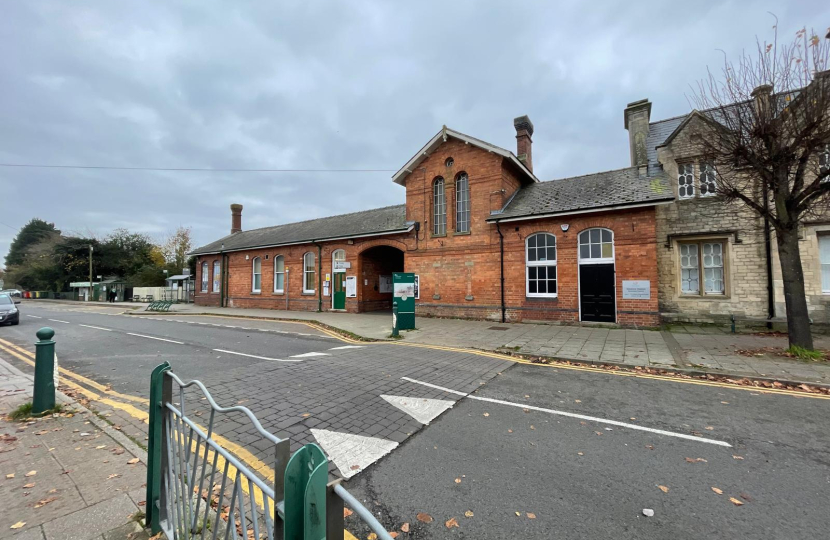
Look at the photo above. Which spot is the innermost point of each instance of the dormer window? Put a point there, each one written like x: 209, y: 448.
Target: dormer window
x: 708, y: 179
x: 685, y: 180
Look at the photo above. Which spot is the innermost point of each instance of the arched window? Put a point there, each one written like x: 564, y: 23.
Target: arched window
x: 439, y: 207
x: 256, y: 282
x: 462, y: 203
x: 205, y: 277
x: 308, y: 273
x: 279, y: 274
x: 596, y: 246
x: 217, y: 275
x: 338, y: 256
x: 540, y: 265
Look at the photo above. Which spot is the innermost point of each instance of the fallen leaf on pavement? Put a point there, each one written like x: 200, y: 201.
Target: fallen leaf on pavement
x: 30, y: 473
x: 486, y: 414
x: 347, y: 512
x: 737, y: 457
x: 42, y: 432
x: 405, y: 527
x: 354, y: 467
x: 664, y: 489
x: 531, y: 427
x: 44, y: 502
x: 110, y: 477
x: 29, y: 485
x: 393, y: 534
x: 650, y: 446
x: 526, y: 396
x: 11, y: 475
x: 708, y: 428
x: 18, y: 525
x: 133, y: 461
x: 577, y: 401
x: 518, y: 513
x: 468, y: 513
x: 725, y: 402
x: 457, y: 480
x: 735, y: 501
x: 696, y: 460
x: 118, y: 451
x: 632, y: 418
x: 531, y: 515
x: 372, y: 536
x: 423, y: 517
x: 306, y: 415
x: 100, y: 446
x: 580, y: 454
x: 450, y: 523
x: 598, y: 432
x: 718, y: 491
x: 525, y: 410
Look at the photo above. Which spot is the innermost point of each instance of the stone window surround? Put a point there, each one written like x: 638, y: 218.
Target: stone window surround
x: 696, y: 164
x: 820, y: 231
x: 701, y: 239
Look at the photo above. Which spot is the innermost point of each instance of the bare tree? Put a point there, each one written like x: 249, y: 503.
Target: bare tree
x: 765, y: 130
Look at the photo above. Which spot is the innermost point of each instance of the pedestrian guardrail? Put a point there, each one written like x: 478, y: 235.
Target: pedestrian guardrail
x: 196, y: 488
x: 159, y: 305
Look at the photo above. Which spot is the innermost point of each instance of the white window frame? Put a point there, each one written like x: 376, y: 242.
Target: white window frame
x: 824, y: 156
x: 707, y: 167
x: 278, y: 273
x: 306, y: 271
x: 462, y: 203
x: 205, y: 276
x: 600, y: 259
x: 701, y: 268
x: 684, y: 170
x: 439, y: 211
x: 537, y: 263
x: 825, y: 287
x: 217, y: 276
x: 254, y: 274
x: 680, y: 246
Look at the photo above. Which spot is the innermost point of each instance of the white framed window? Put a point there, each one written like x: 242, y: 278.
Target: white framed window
x: 339, y: 256
x: 439, y: 207
x: 540, y: 265
x: 703, y: 262
x: 205, y: 277
x: 309, y: 272
x: 217, y: 275
x: 256, y: 280
x: 279, y: 274
x: 596, y: 246
x: 824, y: 161
x: 685, y: 180
x: 462, y: 203
x: 708, y: 179
x: 824, y: 259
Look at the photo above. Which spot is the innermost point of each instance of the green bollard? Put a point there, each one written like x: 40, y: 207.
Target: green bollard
x: 395, y: 319
x: 44, y: 392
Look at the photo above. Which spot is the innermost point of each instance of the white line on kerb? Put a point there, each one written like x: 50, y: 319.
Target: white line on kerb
x: 34, y: 316
x: 95, y: 327
x: 158, y: 338
x: 575, y: 415
x: 58, y: 320
x: 255, y: 356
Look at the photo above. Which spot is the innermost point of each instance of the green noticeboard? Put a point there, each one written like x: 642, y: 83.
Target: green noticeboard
x: 403, y: 292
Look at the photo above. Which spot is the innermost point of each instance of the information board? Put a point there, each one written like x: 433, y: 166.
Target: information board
x: 636, y: 290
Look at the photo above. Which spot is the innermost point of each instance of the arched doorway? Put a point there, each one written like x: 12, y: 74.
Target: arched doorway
x: 597, y: 281
x: 375, y: 281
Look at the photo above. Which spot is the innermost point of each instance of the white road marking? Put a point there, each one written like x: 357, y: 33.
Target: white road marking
x: 95, y: 327
x: 309, y: 354
x: 421, y: 409
x: 157, y: 338
x: 352, y: 453
x: 34, y: 316
x: 578, y: 416
x: 58, y: 320
x: 255, y: 356
x: 347, y: 347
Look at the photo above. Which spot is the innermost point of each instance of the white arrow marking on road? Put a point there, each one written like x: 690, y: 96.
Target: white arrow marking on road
x: 575, y: 415
x: 421, y: 409
x: 95, y: 327
x: 255, y: 356
x: 158, y: 338
x: 352, y: 453
x: 346, y: 347
x: 58, y: 320
x: 309, y: 354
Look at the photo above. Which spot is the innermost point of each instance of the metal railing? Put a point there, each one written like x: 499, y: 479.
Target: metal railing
x: 196, y: 488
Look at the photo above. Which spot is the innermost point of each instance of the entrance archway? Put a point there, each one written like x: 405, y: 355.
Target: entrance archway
x: 376, y: 267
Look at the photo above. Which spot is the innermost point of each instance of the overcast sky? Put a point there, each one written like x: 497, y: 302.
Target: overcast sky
x: 352, y: 84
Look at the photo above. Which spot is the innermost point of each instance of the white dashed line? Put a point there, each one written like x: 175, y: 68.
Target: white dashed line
x: 157, y: 338
x: 95, y: 327
x: 58, y: 320
x: 255, y: 356
x: 575, y: 415
x: 34, y: 316
x: 310, y: 354
x: 347, y: 347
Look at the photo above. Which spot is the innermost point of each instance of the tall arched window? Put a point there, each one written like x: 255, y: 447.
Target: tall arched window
x: 540, y: 265
x: 439, y: 207
x: 217, y: 275
x: 462, y: 203
x: 279, y: 274
x: 256, y: 281
x: 596, y: 246
x: 205, y: 277
x: 308, y: 273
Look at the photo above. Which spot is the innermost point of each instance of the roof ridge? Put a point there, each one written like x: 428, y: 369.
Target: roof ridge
x: 776, y: 94
x: 323, y: 217
x: 588, y: 174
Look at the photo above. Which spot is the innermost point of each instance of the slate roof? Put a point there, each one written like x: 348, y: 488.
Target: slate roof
x: 609, y: 189
x: 389, y: 219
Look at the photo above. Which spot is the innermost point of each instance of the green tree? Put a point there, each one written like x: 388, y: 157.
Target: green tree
x: 31, y: 233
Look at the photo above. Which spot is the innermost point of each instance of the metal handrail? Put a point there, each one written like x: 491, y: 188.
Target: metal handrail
x: 362, y: 512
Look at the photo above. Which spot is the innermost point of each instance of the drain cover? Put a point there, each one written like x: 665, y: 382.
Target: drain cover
x: 498, y: 328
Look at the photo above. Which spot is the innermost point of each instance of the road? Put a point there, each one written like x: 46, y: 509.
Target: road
x: 577, y: 453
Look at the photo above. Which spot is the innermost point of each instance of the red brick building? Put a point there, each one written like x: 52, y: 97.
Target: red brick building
x: 485, y: 237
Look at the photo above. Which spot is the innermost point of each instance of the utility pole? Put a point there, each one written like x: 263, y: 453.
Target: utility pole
x: 89, y: 294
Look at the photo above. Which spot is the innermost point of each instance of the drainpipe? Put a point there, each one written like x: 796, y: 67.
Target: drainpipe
x: 221, y: 276
x: 319, y: 276
x: 768, y: 250
x: 501, y: 269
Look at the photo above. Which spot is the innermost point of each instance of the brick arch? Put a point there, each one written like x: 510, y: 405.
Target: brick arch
x: 397, y: 244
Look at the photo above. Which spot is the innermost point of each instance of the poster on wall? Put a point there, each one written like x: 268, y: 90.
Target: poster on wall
x: 385, y: 284
x: 351, y: 286
x: 636, y: 289
x: 325, y: 288
x: 417, y: 287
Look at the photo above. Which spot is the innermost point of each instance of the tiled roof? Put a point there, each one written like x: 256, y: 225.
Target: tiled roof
x: 609, y: 189
x: 389, y: 219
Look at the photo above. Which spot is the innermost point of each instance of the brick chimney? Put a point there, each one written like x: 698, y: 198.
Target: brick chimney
x: 524, y: 130
x: 236, y: 218
x: 637, y: 116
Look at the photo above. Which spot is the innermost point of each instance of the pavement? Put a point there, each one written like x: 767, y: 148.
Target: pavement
x: 68, y: 475
x: 500, y: 448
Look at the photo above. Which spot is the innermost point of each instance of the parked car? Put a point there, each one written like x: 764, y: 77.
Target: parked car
x: 12, y: 292
x: 9, y: 314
